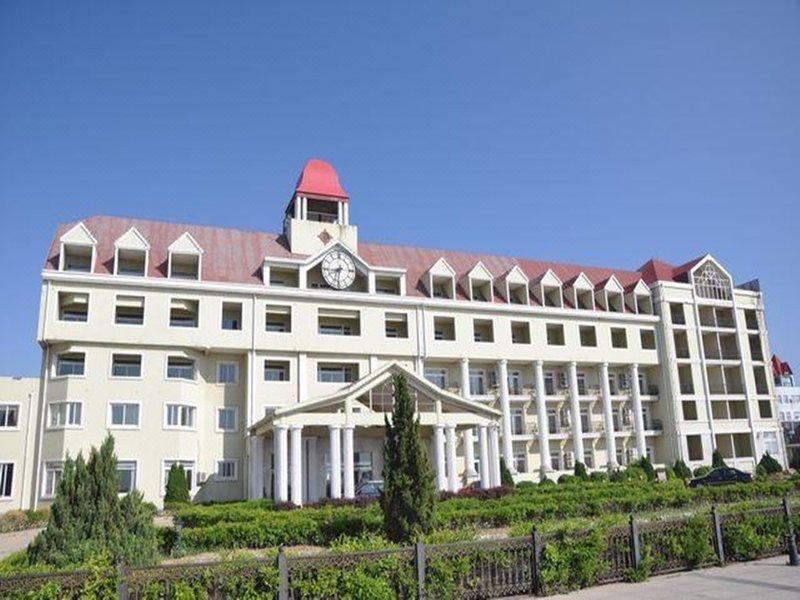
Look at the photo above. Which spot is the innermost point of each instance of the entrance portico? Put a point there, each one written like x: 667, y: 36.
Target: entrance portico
x: 327, y: 446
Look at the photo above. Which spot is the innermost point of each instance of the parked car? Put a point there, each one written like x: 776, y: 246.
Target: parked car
x: 372, y: 488
x: 721, y: 476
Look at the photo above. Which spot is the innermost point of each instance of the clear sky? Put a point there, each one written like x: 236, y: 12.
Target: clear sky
x: 597, y: 133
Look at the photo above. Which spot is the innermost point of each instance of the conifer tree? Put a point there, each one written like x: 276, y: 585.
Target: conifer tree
x: 717, y: 461
x: 506, y: 478
x: 177, y: 486
x: 682, y: 470
x: 409, y: 495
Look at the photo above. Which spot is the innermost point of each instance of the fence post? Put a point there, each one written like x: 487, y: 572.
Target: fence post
x: 536, y: 559
x: 122, y: 584
x: 283, y: 575
x: 636, y: 555
x: 717, y: 524
x: 419, y: 562
x: 794, y: 560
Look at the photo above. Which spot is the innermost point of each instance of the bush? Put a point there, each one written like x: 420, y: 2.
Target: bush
x: 598, y: 476
x: 682, y: 470
x: 702, y: 471
x: 506, y: 479
x: 771, y: 466
x: 545, y: 481
x: 571, y: 562
x: 617, y: 476
x: 633, y: 472
x: 580, y: 471
x: 177, y: 486
x: 717, y: 461
x: 645, y: 465
x: 566, y: 478
x: 526, y: 485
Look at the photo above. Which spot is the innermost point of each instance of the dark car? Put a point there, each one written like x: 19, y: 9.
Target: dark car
x: 721, y: 476
x: 370, y: 489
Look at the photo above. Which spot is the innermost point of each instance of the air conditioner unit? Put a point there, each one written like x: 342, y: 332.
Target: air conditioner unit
x: 202, y: 477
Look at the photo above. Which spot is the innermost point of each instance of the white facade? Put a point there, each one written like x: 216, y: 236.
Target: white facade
x: 19, y: 399
x: 235, y: 354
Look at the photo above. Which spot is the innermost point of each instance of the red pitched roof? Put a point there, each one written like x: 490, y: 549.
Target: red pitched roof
x: 779, y: 367
x: 320, y: 180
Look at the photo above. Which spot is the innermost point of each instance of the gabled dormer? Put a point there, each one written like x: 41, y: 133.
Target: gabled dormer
x: 440, y: 280
x: 479, y: 283
x: 185, y: 258
x: 547, y: 289
x: 78, y: 250
x: 580, y: 292
x: 610, y: 295
x: 639, y: 299
x: 515, y: 286
x: 710, y: 279
x: 131, y: 253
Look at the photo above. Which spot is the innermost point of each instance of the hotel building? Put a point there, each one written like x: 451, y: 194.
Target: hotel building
x: 262, y: 362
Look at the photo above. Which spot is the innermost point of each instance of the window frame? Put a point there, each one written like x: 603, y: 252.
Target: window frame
x: 111, y: 373
x: 54, y: 467
x: 221, y: 478
x: 57, y: 364
x: 440, y: 371
x: 220, y: 409
x: 18, y: 411
x: 183, y: 379
x: 166, y: 465
x: 124, y: 403
x: 116, y: 307
x: 68, y: 404
x: 4, y: 482
x: 135, y: 464
x: 226, y: 363
x: 353, y: 369
x: 286, y: 365
x: 181, y: 407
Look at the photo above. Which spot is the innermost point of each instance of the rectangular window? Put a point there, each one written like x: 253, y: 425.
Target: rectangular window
x: 437, y: 377
x: 339, y: 322
x: 588, y: 336
x: 555, y: 460
x: 232, y: 316
x: 648, y: 338
x: 520, y: 332
x: 228, y: 373
x: 179, y: 367
x: 126, y: 476
x: 278, y: 319
x: 126, y: 365
x: 129, y: 310
x: 619, y: 338
x: 183, y: 312
x: 555, y: 334
x: 581, y: 377
x: 586, y: 421
x: 184, y: 266
x: 66, y: 414
x: 73, y: 307
x: 520, y: 458
x: 181, y: 416
x: 226, y: 470
x: 387, y: 285
x: 477, y: 382
x: 517, y: 421
x: 549, y: 384
x: 514, y: 383
x: 9, y: 416
x: 332, y: 373
x: 771, y: 443
x: 444, y: 328
x: 131, y: 262
x: 396, y: 325
x: 70, y: 364
x: 188, y: 467
x: 124, y: 414
x: 483, y: 330
x: 77, y: 257
x: 226, y: 419
x: 52, y: 477
x: 6, y: 479
x: 276, y: 370
x: 588, y: 458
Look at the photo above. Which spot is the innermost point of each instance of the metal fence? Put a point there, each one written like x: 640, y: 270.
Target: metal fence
x: 468, y: 570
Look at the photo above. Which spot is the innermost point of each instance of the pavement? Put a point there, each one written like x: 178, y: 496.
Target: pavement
x: 16, y: 540
x: 768, y: 579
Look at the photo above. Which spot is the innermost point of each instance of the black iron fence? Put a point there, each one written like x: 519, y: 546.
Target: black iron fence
x: 540, y: 564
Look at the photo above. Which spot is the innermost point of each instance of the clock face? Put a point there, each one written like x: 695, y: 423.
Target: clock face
x: 338, y: 270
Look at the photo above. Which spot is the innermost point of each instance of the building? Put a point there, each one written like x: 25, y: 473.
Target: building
x: 788, y: 394
x: 19, y: 400
x: 262, y: 362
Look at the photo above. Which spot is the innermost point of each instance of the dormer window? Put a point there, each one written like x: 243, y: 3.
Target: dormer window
x: 389, y: 284
x: 581, y: 292
x: 552, y: 297
x: 77, y: 250
x: 639, y: 299
x: 130, y: 254
x: 516, y: 286
x: 609, y: 293
x: 712, y: 283
x: 479, y: 284
x: 547, y: 290
x: 441, y: 281
x: 185, y: 258
x: 281, y: 276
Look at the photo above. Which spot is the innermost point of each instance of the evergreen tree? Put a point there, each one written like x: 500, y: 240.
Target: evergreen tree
x: 717, y: 461
x: 770, y: 464
x: 682, y: 470
x: 409, y: 495
x: 177, y: 486
x: 506, y: 478
x: 580, y: 471
x: 645, y: 465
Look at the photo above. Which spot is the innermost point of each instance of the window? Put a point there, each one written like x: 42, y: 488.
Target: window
x: 586, y: 421
x: 183, y: 313
x: 332, y: 373
x: 179, y: 367
x: 126, y: 365
x: 444, y: 328
x: 396, y: 325
x: 520, y: 458
x: 71, y: 364
x: 581, y: 377
x: 751, y: 319
x: 339, y: 322
x: 278, y: 319
x: 549, y: 384
x: 184, y: 266
x: 588, y: 458
x: 232, y: 316
x: 282, y: 277
x: 126, y: 476
x: 677, y: 314
x: 6, y: 479
x: 553, y: 424
x: 228, y: 373
x: 648, y: 338
x: 65, y: 414
x: 73, y: 307
x: 9, y: 416
x: 588, y: 336
x: 483, y: 330
x: 555, y: 334
x: 129, y: 310
x: 619, y: 338
x: 437, y: 377
x: 387, y: 285
x: 188, y: 467
x: 181, y: 416
x: 77, y: 257
x: 710, y: 283
x: 477, y: 382
x: 555, y: 460
x: 131, y: 262
x: 226, y: 470
x: 52, y: 477
x: 771, y: 443
x: 622, y: 382
x: 226, y: 419
x: 517, y: 421
x: 514, y: 383
x: 124, y: 414
x: 276, y: 370
x: 694, y: 445
x: 765, y: 409
x: 520, y: 332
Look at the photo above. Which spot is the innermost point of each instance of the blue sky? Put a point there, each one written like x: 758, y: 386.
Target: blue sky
x: 602, y: 134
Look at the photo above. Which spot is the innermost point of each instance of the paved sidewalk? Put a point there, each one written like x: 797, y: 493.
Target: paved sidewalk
x: 16, y: 540
x: 768, y: 579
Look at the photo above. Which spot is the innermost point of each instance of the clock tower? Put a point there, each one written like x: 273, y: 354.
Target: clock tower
x: 319, y: 211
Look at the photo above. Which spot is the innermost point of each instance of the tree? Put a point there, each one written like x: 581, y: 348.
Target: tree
x: 682, y: 470
x: 177, y: 486
x: 770, y: 464
x: 645, y: 465
x: 717, y: 461
x: 580, y: 471
x: 506, y: 478
x: 408, y: 500
x: 88, y: 520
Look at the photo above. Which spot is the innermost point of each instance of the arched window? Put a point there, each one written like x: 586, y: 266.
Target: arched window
x: 710, y: 283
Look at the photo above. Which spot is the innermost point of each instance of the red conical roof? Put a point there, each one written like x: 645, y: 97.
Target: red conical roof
x: 319, y: 179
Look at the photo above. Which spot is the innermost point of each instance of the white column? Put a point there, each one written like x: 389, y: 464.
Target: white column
x: 636, y: 397
x: 494, y: 454
x: 335, y: 433
x: 483, y: 448
x: 297, y: 464
x: 505, y: 407
x: 438, y: 453
x: 298, y: 207
x: 608, y: 418
x: 349, y: 484
x: 256, y: 467
x: 450, y: 441
x: 312, y: 472
x: 339, y: 213
x: 281, y: 463
x: 465, y: 378
x: 577, y: 430
x: 469, y: 454
x: 304, y: 208
x: 346, y: 209
x: 541, y: 413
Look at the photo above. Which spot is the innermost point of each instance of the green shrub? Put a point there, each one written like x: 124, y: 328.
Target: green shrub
x: 526, y: 485
x: 702, y: 471
x: 633, y: 472
x: 566, y: 478
x: 580, y: 471
x: 717, y: 461
x: 506, y: 479
x: 598, y: 476
x: 752, y: 536
x: 682, y: 470
x: 771, y: 466
x: 177, y: 486
x: 571, y: 562
x: 545, y: 481
x: 617, y: 476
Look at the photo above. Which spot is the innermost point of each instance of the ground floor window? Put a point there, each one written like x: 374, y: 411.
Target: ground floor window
x: 226, y: 470
x: 52, y: 476
x: 620, y: 456
x: 520, y: 458
x: 188, y: 466
x: 6, y: 479
x: 126, y: 475
x: 555, y: 460
x: 362, y: 466
x: 588, y: 458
